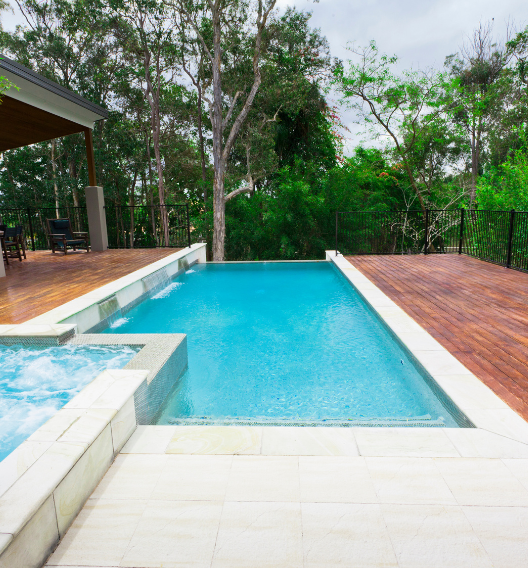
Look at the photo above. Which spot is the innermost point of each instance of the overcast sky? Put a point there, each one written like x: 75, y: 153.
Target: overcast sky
x: 421, y: 32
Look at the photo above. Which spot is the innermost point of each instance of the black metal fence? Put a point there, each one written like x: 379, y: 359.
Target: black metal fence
x: 34, y: 222
x: 145, y: 226
x: 500, y: 237
x: 128, y: 227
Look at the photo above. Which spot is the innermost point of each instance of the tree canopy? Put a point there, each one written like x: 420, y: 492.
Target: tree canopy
x: 225, y: 106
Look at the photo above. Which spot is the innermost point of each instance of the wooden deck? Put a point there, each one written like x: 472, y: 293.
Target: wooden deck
x: 45, y: 281
x: 476, y: 310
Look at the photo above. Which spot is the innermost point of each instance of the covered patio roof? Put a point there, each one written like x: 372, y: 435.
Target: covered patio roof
x: 41, y: 110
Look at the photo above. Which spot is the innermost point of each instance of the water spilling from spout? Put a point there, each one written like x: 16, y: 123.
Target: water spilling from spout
x: 110, y: 311
x: 156, y: 281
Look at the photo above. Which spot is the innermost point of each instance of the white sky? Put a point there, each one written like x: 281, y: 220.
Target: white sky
x: 421, y: 32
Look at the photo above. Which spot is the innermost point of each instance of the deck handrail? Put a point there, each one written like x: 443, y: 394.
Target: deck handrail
x: 495, y: 236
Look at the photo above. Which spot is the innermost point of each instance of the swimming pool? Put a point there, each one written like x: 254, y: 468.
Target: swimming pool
x: 36, y: 382
x: 284, y: 343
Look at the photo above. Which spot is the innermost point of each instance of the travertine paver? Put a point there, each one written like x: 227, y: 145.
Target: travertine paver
x: 156, y: 508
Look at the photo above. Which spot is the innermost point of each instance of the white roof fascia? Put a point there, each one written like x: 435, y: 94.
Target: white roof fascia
x: 44, y: 99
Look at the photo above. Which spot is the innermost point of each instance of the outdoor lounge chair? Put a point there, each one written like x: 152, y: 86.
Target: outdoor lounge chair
x: 11, y: 245
x: 61, y: 236
x: 21, y: 240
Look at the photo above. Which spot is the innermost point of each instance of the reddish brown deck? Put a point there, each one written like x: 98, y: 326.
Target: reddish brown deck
x: 476, y: 310
x: 45, y: 281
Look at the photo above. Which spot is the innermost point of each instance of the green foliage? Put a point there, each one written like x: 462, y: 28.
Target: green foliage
x: 430, y: 128
x: 407, y: 108
x: 293, y: 217
x: 5, y: 85
x: 506, y: 186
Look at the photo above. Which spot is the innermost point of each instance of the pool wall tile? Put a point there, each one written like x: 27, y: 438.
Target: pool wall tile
x: 308, y: 441
x: 216, y: 440
x: 149, y: 440
x: 19, y: 461
x: 89, y: 426
x: 39, y: 335
x: 404, y: 442
x: 24, y: 498
x: 5, y: 539
x: 53, y: 429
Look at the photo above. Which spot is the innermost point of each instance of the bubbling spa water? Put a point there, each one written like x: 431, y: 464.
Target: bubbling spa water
x: 36, y: 382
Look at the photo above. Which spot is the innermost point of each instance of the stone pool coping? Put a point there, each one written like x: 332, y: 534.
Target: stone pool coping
x: 59, y: 471
x: 477, y: 401
x: 45, y: 482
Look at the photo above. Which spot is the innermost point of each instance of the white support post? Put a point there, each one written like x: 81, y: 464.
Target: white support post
x: 96, y: 218
x: 2, y: 268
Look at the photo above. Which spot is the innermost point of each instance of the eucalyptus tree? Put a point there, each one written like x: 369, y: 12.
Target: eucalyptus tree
x: 400, y: 107
x: 148, y: 44
x: 227, y: 19
x: 480, y: 93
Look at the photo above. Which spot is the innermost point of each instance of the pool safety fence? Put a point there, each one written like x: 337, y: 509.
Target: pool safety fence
x: 500, y: 237
x: 138, y: 226
x: 148, y: 226
x: 34, y: 222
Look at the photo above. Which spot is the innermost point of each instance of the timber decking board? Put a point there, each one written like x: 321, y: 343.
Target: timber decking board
x: 477, y: 310
x: 45, y: 281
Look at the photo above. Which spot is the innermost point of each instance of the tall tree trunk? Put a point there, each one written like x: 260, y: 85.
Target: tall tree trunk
x: 153, y: 97
x: 218, y: 158
x: 131, y: 205
x: 474, y: 167
x: 54, y: 168
x: 151, y: 194
x: 201, y: 139
x: 219, y: 217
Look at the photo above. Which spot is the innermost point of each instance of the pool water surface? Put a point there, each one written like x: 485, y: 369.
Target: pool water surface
x: 285, y: 343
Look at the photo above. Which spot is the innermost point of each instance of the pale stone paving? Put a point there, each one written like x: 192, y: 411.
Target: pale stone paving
x: 307, y: 497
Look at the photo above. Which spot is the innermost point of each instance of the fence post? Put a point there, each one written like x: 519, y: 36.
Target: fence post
x: 336, y: 234
x: 188, y: 225
x: 31, y: 230
x: 510, y: 239
x: 426, y: 246
x: 462, y: 210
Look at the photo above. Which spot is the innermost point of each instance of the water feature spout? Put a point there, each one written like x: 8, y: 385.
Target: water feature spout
x: 156, y: 281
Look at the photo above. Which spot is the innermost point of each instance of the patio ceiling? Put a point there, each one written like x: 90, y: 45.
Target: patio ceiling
x: 41, y: 110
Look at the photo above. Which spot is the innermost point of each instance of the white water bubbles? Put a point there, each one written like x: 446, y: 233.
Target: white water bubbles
x: 167, y: 291
x: 35, y: 383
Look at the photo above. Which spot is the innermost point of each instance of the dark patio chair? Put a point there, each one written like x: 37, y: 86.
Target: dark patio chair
x: 62, y: 237
x: 11, y: 246
x: 21, y: 239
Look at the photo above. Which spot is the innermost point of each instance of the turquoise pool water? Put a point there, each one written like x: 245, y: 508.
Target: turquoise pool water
x: 283, y: 343
x: 36, y: 382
